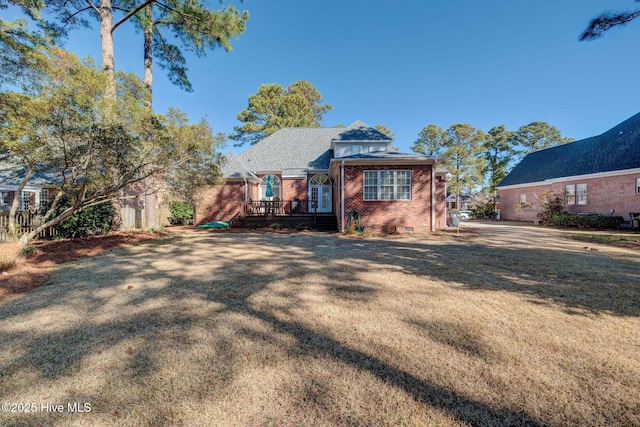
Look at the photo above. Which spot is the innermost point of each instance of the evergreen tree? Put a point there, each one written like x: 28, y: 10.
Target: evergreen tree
x: 538, y: 136
x: 499, y: 151
x: 275, y: 107
x: 462, y: 150
x: 430, y: 141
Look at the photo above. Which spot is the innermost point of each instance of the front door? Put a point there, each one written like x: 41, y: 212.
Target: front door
x: 321, y: 195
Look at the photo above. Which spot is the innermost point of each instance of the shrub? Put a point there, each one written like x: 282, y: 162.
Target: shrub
x: 90, y: 220
x: 588, y: 221
x: 181, y: 210
x: 551, y: 204
x: 484, y: 208
x: 275, y: 226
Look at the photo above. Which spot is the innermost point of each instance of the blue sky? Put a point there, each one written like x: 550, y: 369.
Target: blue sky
x: 412, y: 63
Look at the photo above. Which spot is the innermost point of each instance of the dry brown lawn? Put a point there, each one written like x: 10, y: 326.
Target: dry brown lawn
x: 497, y: 326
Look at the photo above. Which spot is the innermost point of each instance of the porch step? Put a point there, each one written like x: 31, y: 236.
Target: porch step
x: 326, y: 223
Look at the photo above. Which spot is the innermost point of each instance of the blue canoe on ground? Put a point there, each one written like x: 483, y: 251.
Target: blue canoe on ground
x: 215, y: 224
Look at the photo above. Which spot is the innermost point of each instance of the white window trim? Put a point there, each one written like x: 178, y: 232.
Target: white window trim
x: 637, y: 185
x: 523, y: 200
x: 379, y: 185
x: 567, y: 194
x: 578, y: 199
x: 4, y: 194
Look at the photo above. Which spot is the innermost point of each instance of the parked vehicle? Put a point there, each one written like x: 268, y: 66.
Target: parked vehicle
x: 465, y: 215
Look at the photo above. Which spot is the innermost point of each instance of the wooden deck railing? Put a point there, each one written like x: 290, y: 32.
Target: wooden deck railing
x: 267, y: 207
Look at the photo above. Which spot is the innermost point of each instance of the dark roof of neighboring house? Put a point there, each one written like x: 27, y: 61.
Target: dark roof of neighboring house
x: 295, y: 150
x: 11, y: 174
x: 615, y: 150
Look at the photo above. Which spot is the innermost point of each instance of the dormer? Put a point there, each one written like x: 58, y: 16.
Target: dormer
x: 359, y: 138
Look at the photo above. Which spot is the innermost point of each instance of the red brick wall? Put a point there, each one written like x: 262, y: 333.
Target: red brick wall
x: 294, y: 189
x: 220, y: 202
x: 395, y: 215
x: 603, y: 194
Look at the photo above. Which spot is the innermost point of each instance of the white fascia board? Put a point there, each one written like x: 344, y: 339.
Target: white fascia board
x: 304, y: 174
x: 294, y: 175
x: 391, y: 162
x: 384, y: 142
x: 266, y: 172
x: 14, y: 188
x: 574, y: 178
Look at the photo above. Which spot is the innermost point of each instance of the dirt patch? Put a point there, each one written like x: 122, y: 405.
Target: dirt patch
x: 32, y: 272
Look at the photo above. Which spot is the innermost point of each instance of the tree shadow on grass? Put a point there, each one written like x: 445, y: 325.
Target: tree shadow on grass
x: 167, y: 303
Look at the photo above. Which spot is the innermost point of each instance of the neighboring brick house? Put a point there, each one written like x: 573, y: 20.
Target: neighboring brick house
x: 34, y: 194
x: 599, y: 175
x: 339, y: 174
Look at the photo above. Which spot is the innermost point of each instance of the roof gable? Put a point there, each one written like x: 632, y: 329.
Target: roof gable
x: 615, y: 150
x: 296, y: 149
x: 360, y: 131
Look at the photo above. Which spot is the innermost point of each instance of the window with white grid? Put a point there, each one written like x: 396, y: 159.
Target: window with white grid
x: 387, y: 185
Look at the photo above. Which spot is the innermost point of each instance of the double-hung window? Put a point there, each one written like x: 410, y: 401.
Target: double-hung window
x: 44, y: 198
x: 570, y: 194
x: 637, y: 185
x: 581, y: 194
x: 25, y: 200
x: 387, y: 185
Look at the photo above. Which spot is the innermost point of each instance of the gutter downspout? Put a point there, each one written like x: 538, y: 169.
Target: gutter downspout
x: 433, y: 198
x: 342, y: 197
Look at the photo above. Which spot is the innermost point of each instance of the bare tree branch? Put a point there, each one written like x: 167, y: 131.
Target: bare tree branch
x: 130, y: 14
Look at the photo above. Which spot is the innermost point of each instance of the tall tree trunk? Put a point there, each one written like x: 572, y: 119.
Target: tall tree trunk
x: 109, y: 68
x: 150, y: 202
x: 106, y: 39
x: 13, y: 211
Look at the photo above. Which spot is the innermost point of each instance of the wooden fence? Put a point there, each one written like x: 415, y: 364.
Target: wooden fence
x: 25, y: 222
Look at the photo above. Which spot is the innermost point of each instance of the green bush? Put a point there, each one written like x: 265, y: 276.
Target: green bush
x: 275, y: 226
x: 91, y: 220
x: 588, y: 221
x: 484, y: 209
x: 181, y: 210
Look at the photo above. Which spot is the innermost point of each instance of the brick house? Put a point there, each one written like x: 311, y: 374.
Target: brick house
x: 35, y: 193
x: 598, y: 175
x: 337, y: 176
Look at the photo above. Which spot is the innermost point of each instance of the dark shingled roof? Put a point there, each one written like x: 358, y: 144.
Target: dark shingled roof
x: 359, y: 131
x: 615, y: 150
x: 12, y: 173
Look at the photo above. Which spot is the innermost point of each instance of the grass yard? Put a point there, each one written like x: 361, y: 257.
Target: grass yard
x: 500, y: 326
